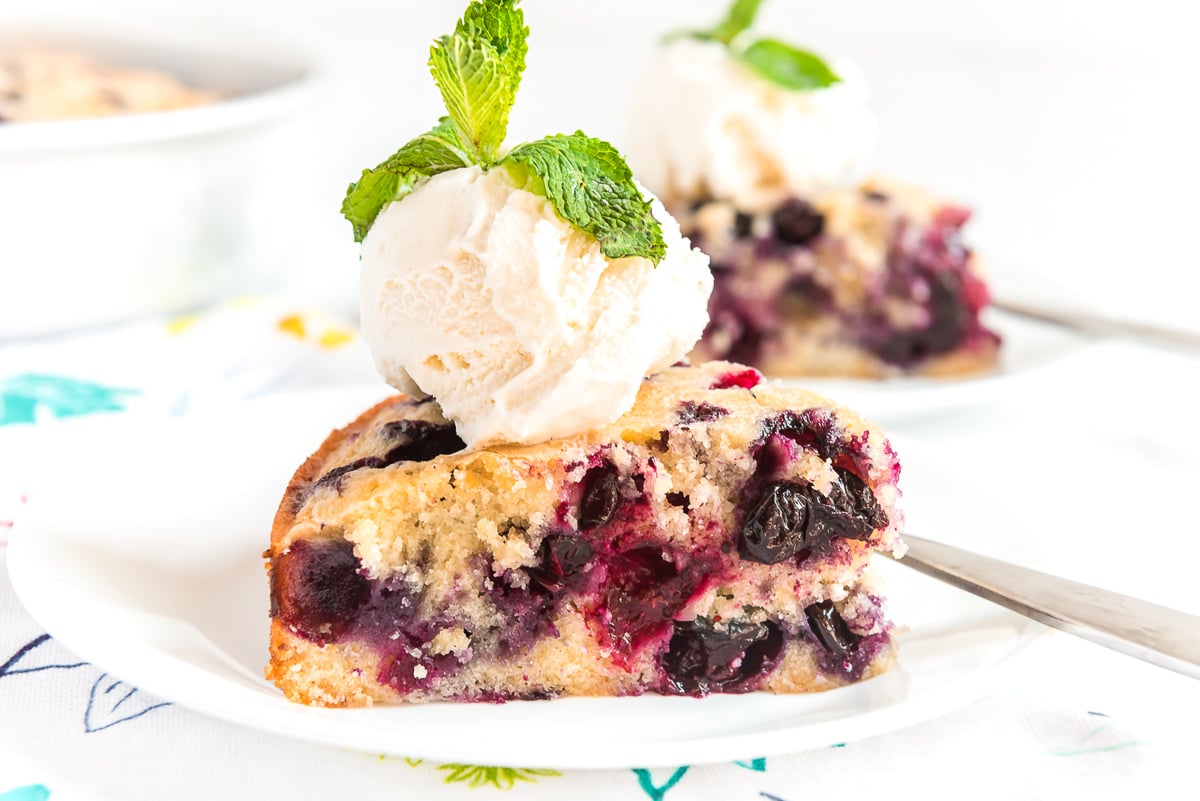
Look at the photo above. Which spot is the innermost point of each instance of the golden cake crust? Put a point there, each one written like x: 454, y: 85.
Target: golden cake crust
x: 450, y: 551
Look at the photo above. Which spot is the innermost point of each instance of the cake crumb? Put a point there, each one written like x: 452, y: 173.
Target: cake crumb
x: 449, y: 641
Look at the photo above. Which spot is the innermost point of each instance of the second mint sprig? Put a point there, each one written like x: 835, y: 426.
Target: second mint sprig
x: 777, y: 61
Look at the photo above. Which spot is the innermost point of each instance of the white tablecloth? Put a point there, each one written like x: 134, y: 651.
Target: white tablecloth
x: 1098, y: 457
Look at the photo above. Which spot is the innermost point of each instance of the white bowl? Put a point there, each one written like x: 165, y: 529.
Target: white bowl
x: 114, y: 218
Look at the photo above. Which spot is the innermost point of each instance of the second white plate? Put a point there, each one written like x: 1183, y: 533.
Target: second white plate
x: 1028, y: 349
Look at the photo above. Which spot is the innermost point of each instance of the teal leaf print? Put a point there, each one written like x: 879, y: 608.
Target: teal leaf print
x: 31, y: 792
x: 656, y: 792
x: 1099, y: 740
x: 499, y: 778
x: 21, y: 397
x: 759, y: 764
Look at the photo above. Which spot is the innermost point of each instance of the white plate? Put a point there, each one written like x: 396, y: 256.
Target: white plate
x: 1028, y: 349
x: 143, y: 556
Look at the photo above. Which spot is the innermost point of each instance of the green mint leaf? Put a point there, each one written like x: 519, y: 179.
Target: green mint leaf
x: 478, y: 70
x: 591, y: 187
x: 367, y: 196
x: 740, y: 17
x: 439, y: 150
x: 788, y: 66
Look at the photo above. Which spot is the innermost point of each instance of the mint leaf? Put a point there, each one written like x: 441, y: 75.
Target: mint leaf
x: 740, y: 17
x: 367, y: 196
x: 591, y: 187
x: 478, y: 70
x: 788, y: 66
x: 439, y: 150
x: 502, y: 25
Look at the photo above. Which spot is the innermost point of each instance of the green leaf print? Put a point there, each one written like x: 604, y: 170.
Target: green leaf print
x: 499, y: 778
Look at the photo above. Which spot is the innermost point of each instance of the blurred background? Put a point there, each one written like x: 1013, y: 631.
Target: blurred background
x: 1068, y: 125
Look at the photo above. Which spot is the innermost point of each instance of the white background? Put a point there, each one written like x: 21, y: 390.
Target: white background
x: 1070, y: 126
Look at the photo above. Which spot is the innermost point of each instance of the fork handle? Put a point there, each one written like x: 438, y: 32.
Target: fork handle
x: 1156, y: 634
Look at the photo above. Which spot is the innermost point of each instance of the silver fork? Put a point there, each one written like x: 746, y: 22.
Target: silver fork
x: 1157, y: 634
x: 1096, y: 324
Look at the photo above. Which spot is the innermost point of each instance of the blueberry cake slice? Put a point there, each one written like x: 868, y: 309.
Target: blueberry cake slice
x: 871, y: 282
x: 716, y: 538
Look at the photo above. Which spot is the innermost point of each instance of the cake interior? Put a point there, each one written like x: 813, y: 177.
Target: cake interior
x: 714, y: 540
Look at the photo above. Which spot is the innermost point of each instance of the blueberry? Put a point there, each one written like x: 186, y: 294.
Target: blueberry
x: 740, y: 322
x: 743, y: 225
x: 419, y: 440
x: 831, y: 630
x: 644, y: 590
x: 317, y: 590
x: 702, y: 659
x: 862, y: 500
x: 601, y: 495
x: 391, y: 608
x: 408, y: 441
x: 698, y: 412
x: 949, y: 321
x: 334, y: 477
x: 787, y: 518
x: 776, y: 527
x: 849, y: 510
x: 816, y: 429
x: 560, y: 557
x: 796, y: 222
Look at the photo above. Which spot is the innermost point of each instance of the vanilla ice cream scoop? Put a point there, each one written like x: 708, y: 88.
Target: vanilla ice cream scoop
x: 479, y: 294
x: 707, y: 126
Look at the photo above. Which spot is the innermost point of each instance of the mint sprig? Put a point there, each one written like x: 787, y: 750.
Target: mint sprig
x: 788, y: 66
x: 478, y: 70
x: 778, y: 62
x: 592, y: 188
x: 739, y: 17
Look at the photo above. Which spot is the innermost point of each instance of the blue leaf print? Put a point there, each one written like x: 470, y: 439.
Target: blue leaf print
x: 38, y: 655
x: 112, y: 701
